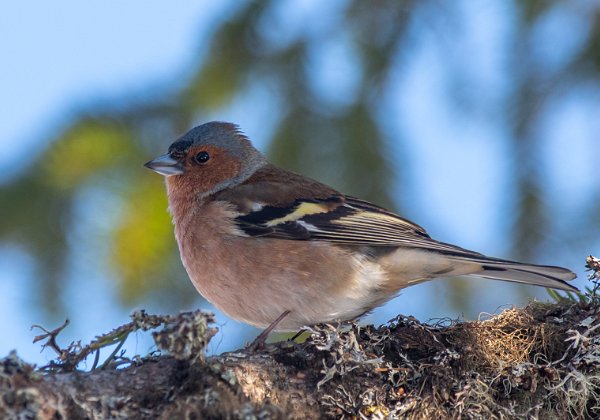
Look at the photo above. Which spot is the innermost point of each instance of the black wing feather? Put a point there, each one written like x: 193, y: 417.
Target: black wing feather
x: 350, y: 221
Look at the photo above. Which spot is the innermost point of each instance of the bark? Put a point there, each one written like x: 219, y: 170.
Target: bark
x: 539, y: 361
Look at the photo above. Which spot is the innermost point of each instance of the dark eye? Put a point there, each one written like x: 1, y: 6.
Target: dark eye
x: 202, y: 157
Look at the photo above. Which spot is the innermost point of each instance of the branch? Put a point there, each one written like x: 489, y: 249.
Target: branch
x: 539, y: 361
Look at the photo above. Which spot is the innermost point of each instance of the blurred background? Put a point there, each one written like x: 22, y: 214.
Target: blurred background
x: 477, y: 120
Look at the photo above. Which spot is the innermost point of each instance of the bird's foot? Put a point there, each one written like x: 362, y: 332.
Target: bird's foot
x: 259, y: 342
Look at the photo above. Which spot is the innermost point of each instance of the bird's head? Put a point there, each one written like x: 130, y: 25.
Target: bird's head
x: 207, y: 159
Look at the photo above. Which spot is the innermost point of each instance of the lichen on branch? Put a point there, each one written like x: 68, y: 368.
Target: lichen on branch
x: 541, y: 361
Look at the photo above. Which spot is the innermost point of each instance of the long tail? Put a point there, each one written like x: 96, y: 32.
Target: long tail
x: 479, y: 265
x: 538, y: 275
x: 463, y: 262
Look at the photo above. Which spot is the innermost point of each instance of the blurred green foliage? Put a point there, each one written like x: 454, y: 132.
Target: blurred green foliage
x: 341, y: 141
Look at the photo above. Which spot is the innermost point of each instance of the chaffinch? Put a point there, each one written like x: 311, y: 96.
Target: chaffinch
x: 264, y: 244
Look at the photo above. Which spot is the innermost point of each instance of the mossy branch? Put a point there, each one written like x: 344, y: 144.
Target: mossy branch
x: 193, y: 333
x: 542, y: 361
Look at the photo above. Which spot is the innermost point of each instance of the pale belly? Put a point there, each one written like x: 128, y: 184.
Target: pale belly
x: 316, y: 282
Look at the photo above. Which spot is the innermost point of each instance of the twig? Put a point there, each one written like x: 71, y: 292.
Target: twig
x: 51, y: 337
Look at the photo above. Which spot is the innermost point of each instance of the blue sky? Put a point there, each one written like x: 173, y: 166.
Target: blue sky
x: 61, y: 56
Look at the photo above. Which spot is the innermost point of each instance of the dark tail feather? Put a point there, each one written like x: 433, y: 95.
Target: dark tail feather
x: 499, y: 269
x: 538, y: 275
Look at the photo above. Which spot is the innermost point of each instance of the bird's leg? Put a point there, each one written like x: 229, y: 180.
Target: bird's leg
x: 298, y: 334
x: 259, y: 341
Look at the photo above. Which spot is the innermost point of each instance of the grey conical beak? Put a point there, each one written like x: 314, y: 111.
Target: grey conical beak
x: 165, y: 165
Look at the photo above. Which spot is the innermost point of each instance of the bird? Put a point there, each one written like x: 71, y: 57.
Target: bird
x: 279, y: 250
